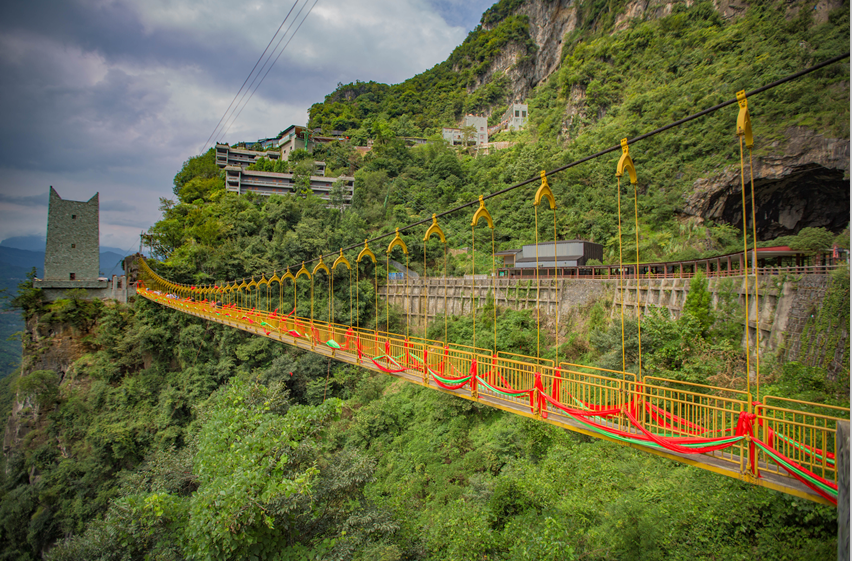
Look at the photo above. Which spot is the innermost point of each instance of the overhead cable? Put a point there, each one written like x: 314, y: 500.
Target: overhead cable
x: 212, y: 134
x: 274, y: 61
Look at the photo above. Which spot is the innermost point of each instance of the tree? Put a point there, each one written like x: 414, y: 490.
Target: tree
x: 253, y: 453
x: 468, y: 135
x: 698, y: 302
x: 812, y: 241
x: 29, y: 299
x: 336, y: 197
x: 302, y: 177
x: 200, y: 189
x: 203, y: 166
x: 41, y: 386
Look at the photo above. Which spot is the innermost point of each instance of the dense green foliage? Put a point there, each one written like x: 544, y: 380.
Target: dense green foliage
x: 439, y: 97
x: 199, y: 178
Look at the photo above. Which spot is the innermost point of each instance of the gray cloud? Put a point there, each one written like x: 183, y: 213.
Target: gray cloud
x: 32, y: 200
x: 113, y: 95
x: 116, y: 206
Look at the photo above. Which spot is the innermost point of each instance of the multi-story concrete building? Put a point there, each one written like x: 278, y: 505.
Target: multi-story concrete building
x: 515, y: 118
x: 478, y: 135
x: 297, y: 137
x: 230, y: 156
x: 242, y: 181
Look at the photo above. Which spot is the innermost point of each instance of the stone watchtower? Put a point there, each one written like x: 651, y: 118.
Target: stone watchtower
x: 72, y: 254
x: 73, y: 237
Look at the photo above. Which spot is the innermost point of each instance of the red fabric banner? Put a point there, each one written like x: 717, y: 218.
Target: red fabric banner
x: 833, y: 485
x: 451, y: 386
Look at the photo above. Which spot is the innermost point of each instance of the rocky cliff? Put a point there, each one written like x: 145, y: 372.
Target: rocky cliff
x: 801, y: 181
x: 549, y: 22
x: 50, y: 350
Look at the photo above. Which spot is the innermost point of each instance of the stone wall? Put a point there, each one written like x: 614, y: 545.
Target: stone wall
x: 118, y: 288
x: 425, y: 296
x: 785, y: 302
x: 72, y: 239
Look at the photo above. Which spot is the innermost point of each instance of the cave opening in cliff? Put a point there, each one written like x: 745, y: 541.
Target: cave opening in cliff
x: 813, y: 197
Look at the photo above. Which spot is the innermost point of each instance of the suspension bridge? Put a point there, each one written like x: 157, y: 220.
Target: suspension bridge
x: 771, y: 441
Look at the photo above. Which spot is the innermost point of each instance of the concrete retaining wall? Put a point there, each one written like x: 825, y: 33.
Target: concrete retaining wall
x: 784, y: 306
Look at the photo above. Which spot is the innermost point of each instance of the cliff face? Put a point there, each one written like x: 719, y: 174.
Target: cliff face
x: 549, y: 22
x: 801, y: 182
x: 49, y: 352
x: 801, y: 177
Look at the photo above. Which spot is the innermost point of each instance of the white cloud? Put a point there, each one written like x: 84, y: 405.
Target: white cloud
x: 388, y: 40
x: 116, y: 107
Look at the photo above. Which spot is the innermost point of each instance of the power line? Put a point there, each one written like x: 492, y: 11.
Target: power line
x: 232, y: 118
x: 274, y: 61
x: 654, y: 132
x: 249, y: 75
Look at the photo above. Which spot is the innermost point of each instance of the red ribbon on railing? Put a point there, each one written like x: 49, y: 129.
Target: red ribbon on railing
x: 538, y: 394
x: 557, y: 383
x: 387, y: 370
x: 813, y: 487
x: 405, y: 353
x: 745, y: 427
x: 656, y: 412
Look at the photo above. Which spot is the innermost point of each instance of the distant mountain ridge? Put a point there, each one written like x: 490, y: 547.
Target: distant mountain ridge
x: 37, y: 243
x: 15, y: 263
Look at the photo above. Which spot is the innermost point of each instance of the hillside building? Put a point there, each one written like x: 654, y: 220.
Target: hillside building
x: 515, y: 117
x: 297, y: 137
x: 568, y: 253
x: 242, y: 181
x: 478, y: 135
x: 230, y: 156
x: 236, y: 157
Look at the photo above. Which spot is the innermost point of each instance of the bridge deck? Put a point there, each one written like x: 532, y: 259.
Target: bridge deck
x: 731, y: 462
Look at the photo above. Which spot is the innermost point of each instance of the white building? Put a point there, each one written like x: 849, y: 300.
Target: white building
x: 515, y: 118
x: 239, y: 180
x: 478, y: 136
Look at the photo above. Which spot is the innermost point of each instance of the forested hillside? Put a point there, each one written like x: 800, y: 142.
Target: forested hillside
x: 138, y: 432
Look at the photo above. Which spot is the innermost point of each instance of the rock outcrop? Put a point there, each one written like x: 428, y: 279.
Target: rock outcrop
x: 549, y: 22
x: 802, y: 183
x: 54, y: 348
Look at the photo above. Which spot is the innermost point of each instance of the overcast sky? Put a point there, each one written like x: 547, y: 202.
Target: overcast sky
x: 111, y: 96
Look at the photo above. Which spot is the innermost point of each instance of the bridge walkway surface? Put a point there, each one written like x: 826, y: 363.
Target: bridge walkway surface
x: 769, y: 444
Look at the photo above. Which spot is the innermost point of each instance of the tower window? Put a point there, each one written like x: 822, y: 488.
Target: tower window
x: 73, y: 276
x: 73, y: 245
x: 73, y: 217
